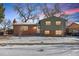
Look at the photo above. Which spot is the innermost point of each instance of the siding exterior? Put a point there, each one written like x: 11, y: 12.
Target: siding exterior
x: 24, y: 29
x: 73, y: 28
x: 53, y: 27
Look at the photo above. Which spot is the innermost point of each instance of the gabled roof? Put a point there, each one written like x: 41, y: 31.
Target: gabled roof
x: 74, y: 25
x: 54, y: 17
x: 77, y: 22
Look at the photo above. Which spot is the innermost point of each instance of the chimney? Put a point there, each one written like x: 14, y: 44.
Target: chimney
x: 14, y: 21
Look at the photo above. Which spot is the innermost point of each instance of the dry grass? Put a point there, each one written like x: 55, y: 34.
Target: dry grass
x: 4, y: 37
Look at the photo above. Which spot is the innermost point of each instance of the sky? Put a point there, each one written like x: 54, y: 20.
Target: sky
x: 9, y: 11
x: 71, y: 9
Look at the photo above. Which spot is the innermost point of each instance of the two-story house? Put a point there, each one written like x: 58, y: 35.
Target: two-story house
x: 52, y: 26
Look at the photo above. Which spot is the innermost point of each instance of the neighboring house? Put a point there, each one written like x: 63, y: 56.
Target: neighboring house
x: 53, y: 26
x: 73, y: 28
x: 24, y: 28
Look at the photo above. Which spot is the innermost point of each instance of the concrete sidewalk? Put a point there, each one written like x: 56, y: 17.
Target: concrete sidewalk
x: 36, y: 40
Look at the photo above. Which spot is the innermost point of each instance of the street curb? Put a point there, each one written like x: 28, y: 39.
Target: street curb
x: 3, y: 44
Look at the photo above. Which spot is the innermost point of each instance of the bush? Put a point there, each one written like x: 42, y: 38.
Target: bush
x: 10, y: 31
x: 1, y: 33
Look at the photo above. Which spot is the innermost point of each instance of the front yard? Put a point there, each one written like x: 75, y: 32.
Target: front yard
x: 23, y: 49
x: 37, y: 40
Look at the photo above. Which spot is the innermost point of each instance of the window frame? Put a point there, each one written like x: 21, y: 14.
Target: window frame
x: 48, y: 22
x: 58, y: 23
x: 59, y: 33
x: 46, y: 33
x: 24, y: 28
x: 35, y: 27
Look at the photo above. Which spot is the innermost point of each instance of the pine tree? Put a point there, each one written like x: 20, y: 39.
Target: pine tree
x: 2, y: 9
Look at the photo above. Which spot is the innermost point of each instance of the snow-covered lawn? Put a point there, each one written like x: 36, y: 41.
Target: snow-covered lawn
x: 38, y: 39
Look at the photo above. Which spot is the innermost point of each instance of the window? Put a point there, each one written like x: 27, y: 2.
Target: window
x: 48, y: 22
x: 24, y: 28
x: 34, y: 27
x: 58, y: 22
x: 47, y: 32
x: 58, y: 32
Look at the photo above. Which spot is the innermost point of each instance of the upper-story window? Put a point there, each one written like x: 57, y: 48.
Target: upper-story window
x: 58, y: 22
x: 48, y: 22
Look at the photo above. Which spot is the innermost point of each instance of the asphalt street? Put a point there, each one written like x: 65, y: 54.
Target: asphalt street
x: 39, y: 50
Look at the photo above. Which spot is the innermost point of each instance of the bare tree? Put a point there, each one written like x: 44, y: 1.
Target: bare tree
x: 27, y: 12
x: 6, y: 24
x: 44, y: 9
x: 49, y: 12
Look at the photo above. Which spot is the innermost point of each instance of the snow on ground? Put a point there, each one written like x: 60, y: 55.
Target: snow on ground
x: 39, y: 50
x: 37, y: 39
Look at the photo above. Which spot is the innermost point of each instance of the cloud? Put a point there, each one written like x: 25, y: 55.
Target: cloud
x: 71, y: 11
